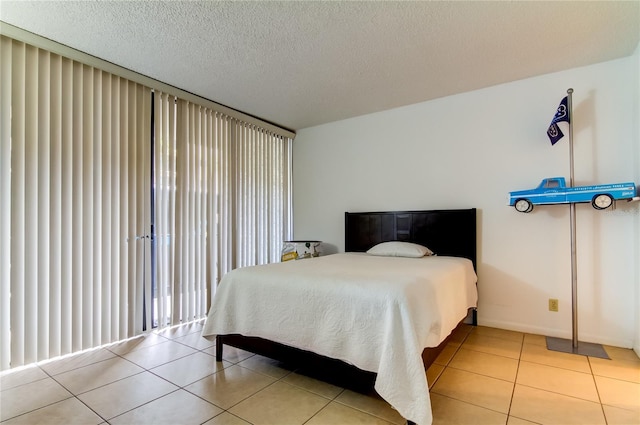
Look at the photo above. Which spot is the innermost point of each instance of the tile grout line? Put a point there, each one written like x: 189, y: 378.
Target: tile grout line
x: 102, y: 386
x: 452, y: 367
x: 475, y: 405
x: 179, y: 387
x: 281, y: 379
x: 448, y: 365
x: 145, y: 369
x: 145, y: 403
x: 230, y: 407
x: 458, y: 348
x: 316, y: 414
x: 274, y: 382
x: 515, y: 379
x: 562, y: 394
x: 70, y: 357
x: 445, y: 366
x: 72, y: 394
x: 595, y: 384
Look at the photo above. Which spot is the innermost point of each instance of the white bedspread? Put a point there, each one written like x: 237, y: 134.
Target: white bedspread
x: 377, y: 313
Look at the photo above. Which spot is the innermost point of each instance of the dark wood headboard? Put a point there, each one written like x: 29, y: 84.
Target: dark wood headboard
x: 445, y: 232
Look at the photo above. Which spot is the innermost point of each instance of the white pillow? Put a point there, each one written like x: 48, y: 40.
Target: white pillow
x: 400, y: 249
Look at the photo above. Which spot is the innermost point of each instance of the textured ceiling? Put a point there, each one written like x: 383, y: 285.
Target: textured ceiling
x: 303, y: 63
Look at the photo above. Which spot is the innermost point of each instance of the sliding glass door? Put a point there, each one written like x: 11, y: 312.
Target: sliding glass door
x: 121, y: 206
x: 222, y: 199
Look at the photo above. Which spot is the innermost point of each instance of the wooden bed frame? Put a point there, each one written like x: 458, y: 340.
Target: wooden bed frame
x: 445, y: 232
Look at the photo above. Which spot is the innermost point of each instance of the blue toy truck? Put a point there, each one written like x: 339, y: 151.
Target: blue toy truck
x: 555, y: 191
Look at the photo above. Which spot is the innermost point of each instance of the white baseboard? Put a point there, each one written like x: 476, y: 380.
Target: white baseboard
x: 559, y: 333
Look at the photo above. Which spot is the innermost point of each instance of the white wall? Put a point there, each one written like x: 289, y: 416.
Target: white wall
x: 470, y: 150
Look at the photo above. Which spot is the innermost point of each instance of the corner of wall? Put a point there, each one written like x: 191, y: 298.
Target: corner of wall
x: 636, y: 168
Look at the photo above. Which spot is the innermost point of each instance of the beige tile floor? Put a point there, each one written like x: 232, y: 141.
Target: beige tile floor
x: 484, y: 376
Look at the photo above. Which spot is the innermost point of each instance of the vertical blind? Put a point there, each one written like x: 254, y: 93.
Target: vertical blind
x: 75, y: 171
x: 222, y: 200
x: 83, y: 153
x: 262, y: 196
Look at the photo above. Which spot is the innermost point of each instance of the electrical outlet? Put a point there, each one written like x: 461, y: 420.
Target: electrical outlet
x: 553, y: 304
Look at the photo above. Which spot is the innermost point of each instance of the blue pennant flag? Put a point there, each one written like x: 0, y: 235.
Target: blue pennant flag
x: 562, y: 114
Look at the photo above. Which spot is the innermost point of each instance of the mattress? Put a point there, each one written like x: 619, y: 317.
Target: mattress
x: 376, y: 313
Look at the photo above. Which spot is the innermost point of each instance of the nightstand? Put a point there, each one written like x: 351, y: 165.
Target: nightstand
x: 300, y: 249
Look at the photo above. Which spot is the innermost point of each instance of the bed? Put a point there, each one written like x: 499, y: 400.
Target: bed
x: 378, y: 320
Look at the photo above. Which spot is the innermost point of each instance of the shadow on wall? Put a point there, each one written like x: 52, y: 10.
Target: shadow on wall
x: 503, y: 298
x: 328, y: 249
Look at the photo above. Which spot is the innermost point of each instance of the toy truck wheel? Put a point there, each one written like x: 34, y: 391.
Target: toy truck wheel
x: 602, y: 201
x: 523, y: 205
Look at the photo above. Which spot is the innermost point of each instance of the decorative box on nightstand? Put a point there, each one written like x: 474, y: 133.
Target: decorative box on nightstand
x: 297, y: 250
